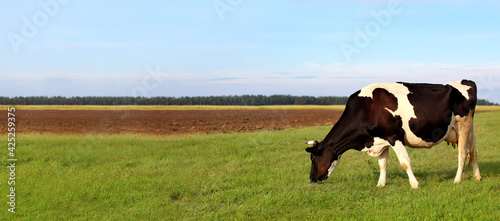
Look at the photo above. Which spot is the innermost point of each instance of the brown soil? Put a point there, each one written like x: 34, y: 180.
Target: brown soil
x: 163, y: 122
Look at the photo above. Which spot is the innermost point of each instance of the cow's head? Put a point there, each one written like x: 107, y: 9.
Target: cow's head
x: 323, y: 161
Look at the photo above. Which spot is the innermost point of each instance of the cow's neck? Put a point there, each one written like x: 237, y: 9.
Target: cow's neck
x: 345, y: 136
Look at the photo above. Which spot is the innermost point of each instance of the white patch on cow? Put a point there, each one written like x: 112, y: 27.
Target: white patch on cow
x: 332, y: 167
x: 460, y: 87
x: 311, y: 142
x: 398, y: 90
x: 378, y: 147
x: 368, y: 90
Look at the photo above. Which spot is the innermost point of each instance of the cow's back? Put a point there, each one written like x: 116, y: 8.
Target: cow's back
x: 427, y: 111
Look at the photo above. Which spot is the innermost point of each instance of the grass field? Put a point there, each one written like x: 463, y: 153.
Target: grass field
x: 261, y: 175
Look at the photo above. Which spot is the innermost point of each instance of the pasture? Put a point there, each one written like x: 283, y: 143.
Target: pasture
x: 260, y: 175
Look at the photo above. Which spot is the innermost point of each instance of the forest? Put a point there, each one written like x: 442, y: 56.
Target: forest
x: 247, y: 100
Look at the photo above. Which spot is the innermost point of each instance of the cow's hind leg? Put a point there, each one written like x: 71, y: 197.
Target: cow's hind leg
x: 382, y: 164
x: 404, y: 160
x: 466, y: 145
x: 473, y: 155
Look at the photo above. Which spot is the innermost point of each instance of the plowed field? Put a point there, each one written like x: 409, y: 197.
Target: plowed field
x: 165, y: 122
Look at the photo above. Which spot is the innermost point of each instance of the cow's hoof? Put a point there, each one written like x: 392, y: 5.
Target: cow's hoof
x: 414, y: 185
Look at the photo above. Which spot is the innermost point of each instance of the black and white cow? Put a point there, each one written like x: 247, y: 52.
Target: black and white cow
x: 396, y: 115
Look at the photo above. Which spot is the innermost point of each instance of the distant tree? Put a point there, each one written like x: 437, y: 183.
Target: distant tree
x: 199, y: 100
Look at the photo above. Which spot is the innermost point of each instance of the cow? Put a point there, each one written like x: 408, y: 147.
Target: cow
x: 396, y: 115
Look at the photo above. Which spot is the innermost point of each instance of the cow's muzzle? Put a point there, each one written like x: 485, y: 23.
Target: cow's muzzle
x: 318, y: 180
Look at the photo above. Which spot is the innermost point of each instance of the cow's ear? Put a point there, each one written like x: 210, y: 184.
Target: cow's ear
x: 314, y: 151
x: 310, y: 149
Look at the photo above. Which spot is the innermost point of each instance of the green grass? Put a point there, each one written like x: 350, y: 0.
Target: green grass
x: 262, y: 175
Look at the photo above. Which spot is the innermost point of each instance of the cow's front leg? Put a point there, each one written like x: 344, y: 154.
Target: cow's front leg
x: 382, y: 164
x: 404, y: 160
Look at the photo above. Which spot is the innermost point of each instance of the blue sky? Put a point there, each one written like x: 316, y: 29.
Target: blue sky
x: 234, y: 47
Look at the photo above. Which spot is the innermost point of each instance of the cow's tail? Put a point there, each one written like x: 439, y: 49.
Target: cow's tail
x: 472, y: 144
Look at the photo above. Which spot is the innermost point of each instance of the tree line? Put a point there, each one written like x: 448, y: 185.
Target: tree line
x: 252, y: 100
x: 248, y: 100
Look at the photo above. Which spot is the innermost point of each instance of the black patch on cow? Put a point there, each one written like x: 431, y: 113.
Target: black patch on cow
x: 433, y: 105
x: 379, y: 121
